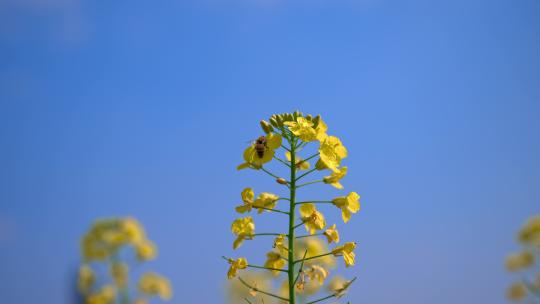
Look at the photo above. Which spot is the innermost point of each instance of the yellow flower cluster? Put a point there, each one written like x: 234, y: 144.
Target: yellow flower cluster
x: 305, y: 259
x: 523, y: 261
x: 103, y: 243
x: 107, y: 236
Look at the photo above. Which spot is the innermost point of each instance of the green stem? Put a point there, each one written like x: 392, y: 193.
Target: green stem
x: 301, y: 268
x: 308, y: 235
x: 270, y: 209
x: 309, y: 183
x: 312, y: 156
x: 313, y: 257
x: 308, y: 172
x: 332, y: 295
x: 257, y: 234
x: 298, y: 225
x: 269, y: 173
x: 315, y: 202
x: 267, y: 268
x: 291, y: 224
x: 282, y: 161
x: 261, y: 291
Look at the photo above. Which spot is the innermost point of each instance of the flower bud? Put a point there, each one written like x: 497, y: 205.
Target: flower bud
x: 279, y: 120
x: 267, y: 128
x: 281, y: 180
x: 309, y: 117
x: 273, y: 121
x: 316, y: 121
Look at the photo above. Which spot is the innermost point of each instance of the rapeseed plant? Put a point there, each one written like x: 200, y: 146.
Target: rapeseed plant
x: 524, y: 262
x: 305, y: 260
x: 103, y: 244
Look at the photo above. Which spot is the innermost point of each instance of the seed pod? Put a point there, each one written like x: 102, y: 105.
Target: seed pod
x: 267, y: 128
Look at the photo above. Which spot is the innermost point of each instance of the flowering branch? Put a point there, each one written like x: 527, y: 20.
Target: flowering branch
x: 308, y: 172
x: 315, y: 202
x: 261, y: 291
x: 270, y: 209
x: 309, y: 235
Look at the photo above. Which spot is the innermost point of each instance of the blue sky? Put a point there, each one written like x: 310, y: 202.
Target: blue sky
x: 121, y: 108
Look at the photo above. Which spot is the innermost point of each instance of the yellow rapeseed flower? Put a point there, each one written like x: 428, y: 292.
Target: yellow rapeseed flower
x: 299, y: 162
x: 530, y: 233
x: 317, y: 273
x: 279, y: 243
x: 87, y: 278
x: 519, y: 261
x: 332, y: 235
x: 274, y: 260
x: 313, y: 219
x: 516, y: 292
x: 154, y: 284
x: 265, y: 200
x: 133, y: 229
x: 240, y: 263
x: 348, y: 204
x: 247, y: 197
x: 331, y: 152
x: 254, y: 160
x: 334, y: 178
x: 303, y: 129
x: 347, y: 251
x: 314, y: 246
x: 243, y: 228
x: 321, y: 130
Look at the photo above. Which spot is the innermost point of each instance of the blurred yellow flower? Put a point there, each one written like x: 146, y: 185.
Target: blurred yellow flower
x: 247, y: 198
x: 154, y: 284
x: 334, y: 178
x: 252, y: 157
x: 133, y: 229
x: 331, y: 152
x: 240, y: 263
x: 299, y: 162
x: 237, y: 291
x: 332, y: 235
x: 243, y: 228
x: 519, y: 261
x: 146, y: 250
x: 516, y: 292
x: 274, y: 260
x: 302, y: 128
x: 105, y: 295
x: 87, y: 278
x: 348, y: 204
x: 530, y: 233
x: 314, y: 246
x: 347, y: 251
x: 313, y: 219
x: 317, y: 273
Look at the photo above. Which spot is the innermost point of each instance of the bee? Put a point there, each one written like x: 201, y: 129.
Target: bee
x: 260, y: 146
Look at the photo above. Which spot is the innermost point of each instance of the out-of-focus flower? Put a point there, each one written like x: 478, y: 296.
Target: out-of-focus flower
x: 253, y: 157
x: 274, y: 260
x: 331, y: 152
x: 140, y: 301
x: 334, y: 178
x: 317, y: 273
x: 146, y: 250
x: 105, y: 295
x: 314, y: 246
x: 119, y: 273
x: 237, y: 291
x: 530, y: 233
x: 243, y: 228
x: 332, y: 235
x: 313, y: 219
x: 154, y: 284
x: 240, y: 263
x: 348, y: 204
x: 302, y: 128
x: 519, y: 261
x: 516, y: 292
x: 299, y: 162
x: 87, y: 278
x: 347, y: 251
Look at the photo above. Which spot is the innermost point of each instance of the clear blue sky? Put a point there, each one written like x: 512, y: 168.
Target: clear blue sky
x: 144, y: 108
